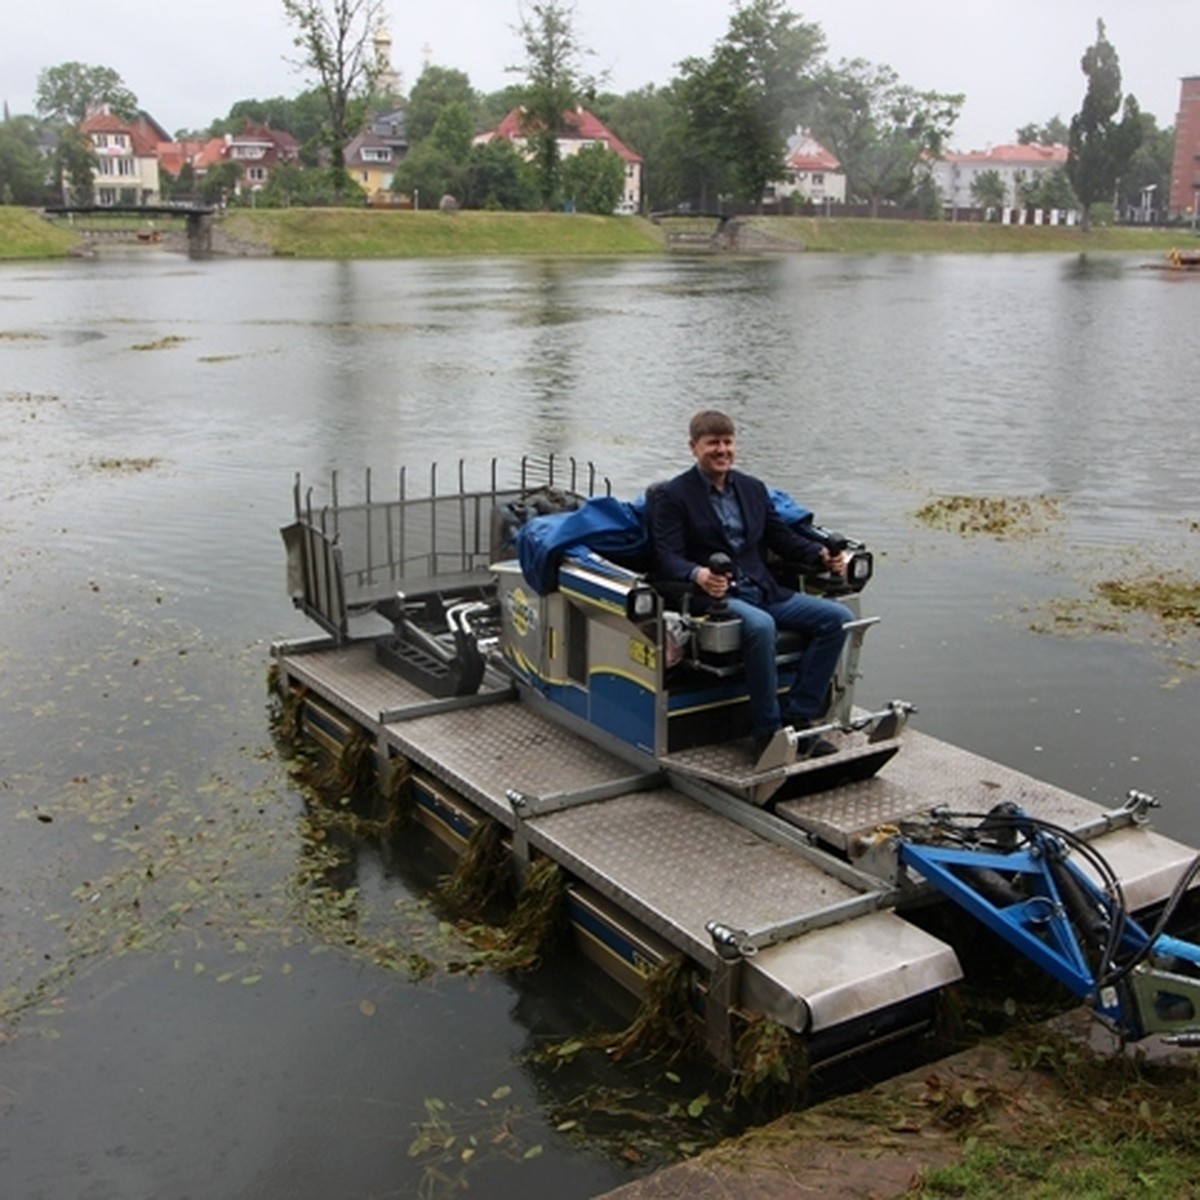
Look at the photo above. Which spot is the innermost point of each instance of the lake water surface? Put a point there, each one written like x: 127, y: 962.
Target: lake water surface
x: 187, y: 1010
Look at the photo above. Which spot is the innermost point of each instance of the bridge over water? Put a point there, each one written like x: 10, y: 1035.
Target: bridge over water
x: 199, y: 218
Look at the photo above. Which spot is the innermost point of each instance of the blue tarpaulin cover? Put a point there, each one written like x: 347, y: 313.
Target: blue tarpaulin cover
x: 605, y: 524
x: 787, y: 510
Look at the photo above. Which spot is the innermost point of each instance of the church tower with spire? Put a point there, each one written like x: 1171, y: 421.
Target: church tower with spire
x: 387, y: 78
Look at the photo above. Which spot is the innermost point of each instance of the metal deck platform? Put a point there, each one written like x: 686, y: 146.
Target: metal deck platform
x: 675, y: 855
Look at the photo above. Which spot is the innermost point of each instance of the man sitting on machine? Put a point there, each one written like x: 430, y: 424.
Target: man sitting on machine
x: 713, y: 509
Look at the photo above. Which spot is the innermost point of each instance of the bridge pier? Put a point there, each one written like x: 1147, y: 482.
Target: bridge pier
x: 200, y: 235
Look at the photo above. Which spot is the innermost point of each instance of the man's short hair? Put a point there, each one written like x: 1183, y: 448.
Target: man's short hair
x: 710, y: 423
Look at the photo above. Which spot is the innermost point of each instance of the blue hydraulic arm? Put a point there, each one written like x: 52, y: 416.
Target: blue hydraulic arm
x: 1016, y: 874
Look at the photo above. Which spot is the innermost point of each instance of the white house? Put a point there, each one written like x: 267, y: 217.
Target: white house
x: 1017, y: 166
x: 813, y: 173
x: 126, y: 157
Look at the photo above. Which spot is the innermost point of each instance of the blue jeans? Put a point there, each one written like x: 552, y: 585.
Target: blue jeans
x: 821, y: 621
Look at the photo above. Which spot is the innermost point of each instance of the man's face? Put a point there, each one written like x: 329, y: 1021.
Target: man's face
x: 714, y: 453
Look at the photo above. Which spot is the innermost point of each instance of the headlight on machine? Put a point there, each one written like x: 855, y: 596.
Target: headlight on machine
x: 859, y: 569
x: 641, y: 603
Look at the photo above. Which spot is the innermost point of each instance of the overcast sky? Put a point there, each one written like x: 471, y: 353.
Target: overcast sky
x: 1016, y: 61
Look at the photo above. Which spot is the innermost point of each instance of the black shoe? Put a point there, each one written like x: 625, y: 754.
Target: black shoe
x: 813, y: 746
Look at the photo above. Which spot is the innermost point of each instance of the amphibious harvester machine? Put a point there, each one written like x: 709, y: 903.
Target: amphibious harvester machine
x: 505, y: 643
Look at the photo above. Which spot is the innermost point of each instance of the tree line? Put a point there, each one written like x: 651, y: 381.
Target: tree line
x: 717, y: 131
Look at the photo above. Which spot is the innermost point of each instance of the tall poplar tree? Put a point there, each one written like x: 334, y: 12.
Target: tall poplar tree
x: 555, y: 81
x: 1100, y: 147
x: 336, y: 39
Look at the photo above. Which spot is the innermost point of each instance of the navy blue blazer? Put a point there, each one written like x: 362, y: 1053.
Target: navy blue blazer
x: 686, y: 532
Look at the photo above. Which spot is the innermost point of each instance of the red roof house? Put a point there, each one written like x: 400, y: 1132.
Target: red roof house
x: 578, y: 129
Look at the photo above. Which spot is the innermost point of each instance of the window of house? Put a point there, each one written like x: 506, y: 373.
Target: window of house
x: 818, y: 179
x: 256, y: 174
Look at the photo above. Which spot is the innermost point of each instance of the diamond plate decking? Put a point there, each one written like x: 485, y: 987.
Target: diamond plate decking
x: 675, y: 864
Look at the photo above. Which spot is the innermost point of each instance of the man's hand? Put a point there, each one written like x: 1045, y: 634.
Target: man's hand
x: 834, y: 562
x: 711, y: 583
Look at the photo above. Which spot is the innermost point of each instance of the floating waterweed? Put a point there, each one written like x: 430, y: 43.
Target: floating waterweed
x: 995, y: 516
x: 772, y: 1064
x: 480, y: 876
x: 664, y: 1022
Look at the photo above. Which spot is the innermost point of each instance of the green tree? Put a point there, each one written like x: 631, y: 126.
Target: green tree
x: 434, y: 90
x: 291, y: 185
x: 1100, y: 148
x: 593, y: 179
x: 437, y: 166
x: 989, y: 190
x: 66, y: 92
x: 554, y: 83
x: 178, y: 187
x: 880, y: 129
x: 1053, y: 133
x: 1051, y: 189
x: 305, y: 117
x: 649, y: 122
x: 746, y: 99
x: 336, y: 41
x: 453, y: 132
x: 426, y: 175
x: 220, y: 182
x: 23, y: 170
x: 498, y: 177
x: 925, y: 196
x: 653, y: 122
x: 75, y: 165
x: 1146, y: 184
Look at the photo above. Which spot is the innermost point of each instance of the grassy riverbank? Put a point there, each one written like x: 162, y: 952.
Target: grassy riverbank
x: 852, y: 235
x: 333, y: 233
x: 358, y: 233
x: 24, y: 234
x: 355, y: 233
x: 1053, y: 1112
